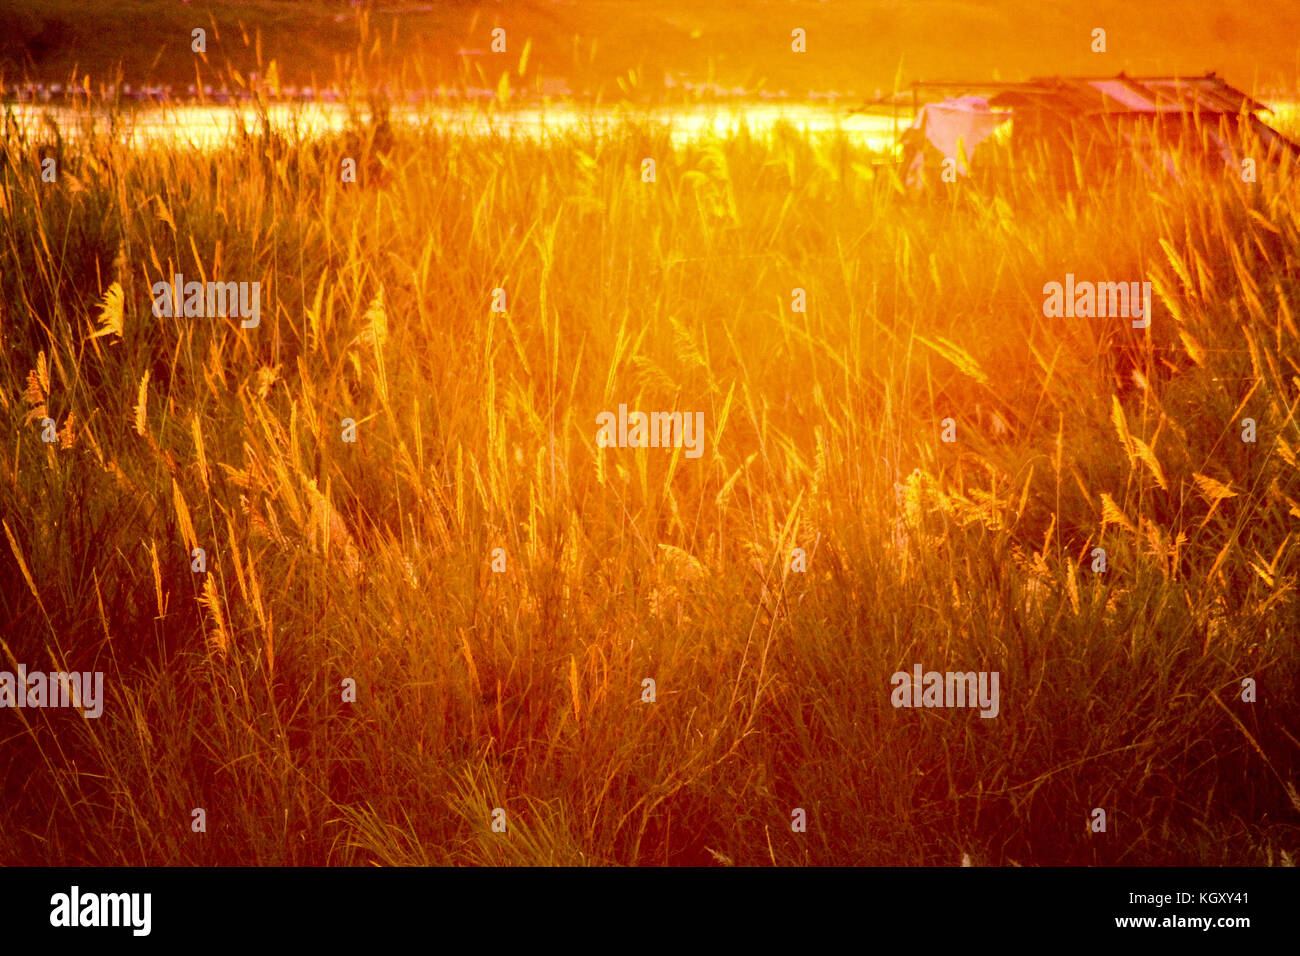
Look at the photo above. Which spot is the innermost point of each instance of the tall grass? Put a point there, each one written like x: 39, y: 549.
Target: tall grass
x: 522, y: 690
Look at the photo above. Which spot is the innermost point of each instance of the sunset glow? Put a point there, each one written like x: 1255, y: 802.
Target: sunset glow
x: 649, y: 434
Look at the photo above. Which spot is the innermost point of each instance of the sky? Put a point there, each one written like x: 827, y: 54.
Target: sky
x: 856, y: 46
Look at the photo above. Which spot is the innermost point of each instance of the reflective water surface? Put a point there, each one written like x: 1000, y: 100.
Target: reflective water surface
x: 211, y: 126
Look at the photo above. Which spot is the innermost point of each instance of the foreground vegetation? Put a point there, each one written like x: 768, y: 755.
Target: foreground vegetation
x: 522, y: 690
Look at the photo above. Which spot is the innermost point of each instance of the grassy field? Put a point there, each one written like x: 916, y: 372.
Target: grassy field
x: 522, y: 688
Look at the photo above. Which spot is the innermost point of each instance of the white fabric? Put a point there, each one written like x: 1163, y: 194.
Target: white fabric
x: 966, y: 120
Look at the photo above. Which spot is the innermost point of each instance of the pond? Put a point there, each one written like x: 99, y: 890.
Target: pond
x: 212, y: 126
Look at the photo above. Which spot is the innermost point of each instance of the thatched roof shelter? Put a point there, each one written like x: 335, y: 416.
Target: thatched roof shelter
x: 1091, y: 122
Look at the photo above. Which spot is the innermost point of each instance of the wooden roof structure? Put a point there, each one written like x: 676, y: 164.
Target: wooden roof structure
x: 1049, y: 108
x: 1107, y: 95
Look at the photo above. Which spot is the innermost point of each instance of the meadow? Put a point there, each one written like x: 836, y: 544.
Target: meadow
x: 514, y: 678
